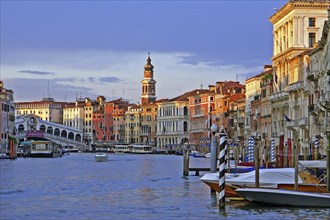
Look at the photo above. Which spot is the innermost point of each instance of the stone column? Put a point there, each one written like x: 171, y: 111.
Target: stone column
x: 302, y: 44
x: 295, y: 31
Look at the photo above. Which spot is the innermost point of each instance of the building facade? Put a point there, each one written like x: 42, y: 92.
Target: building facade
x: 7, y: 117
x: 201, y: 106
x: 173, y: 123
x: 296, y: 28
x: 318, y: 90
x: 47, y: 109
x: 132, y: 124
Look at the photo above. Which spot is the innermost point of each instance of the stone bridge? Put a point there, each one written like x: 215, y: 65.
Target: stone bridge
x: 31, y: 126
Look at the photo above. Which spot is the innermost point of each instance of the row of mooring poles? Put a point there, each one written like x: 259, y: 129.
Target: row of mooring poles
x: 213, y: 160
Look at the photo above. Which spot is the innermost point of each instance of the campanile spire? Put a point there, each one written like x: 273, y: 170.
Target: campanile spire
x: 148, y: 83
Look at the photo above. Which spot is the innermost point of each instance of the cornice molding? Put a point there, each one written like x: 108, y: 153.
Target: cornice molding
x: 295, y: 5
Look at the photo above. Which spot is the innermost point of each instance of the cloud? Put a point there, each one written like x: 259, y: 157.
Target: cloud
x: 42, y: 73
x: 26, y: 89
x: 109, y: 79
x: 118, y: 74
x: 90, y: 79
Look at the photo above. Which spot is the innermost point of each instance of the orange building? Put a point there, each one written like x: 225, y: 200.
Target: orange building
x: 223, y: 92
x: 201, y: 105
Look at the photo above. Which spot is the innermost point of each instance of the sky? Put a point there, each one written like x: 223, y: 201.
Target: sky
x: 76, y: 49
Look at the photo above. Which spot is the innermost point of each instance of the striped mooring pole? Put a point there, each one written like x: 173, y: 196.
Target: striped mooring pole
x: 273, y: 150
x: 251, y: 149
x: 222, y: 170
x: 316, y: 145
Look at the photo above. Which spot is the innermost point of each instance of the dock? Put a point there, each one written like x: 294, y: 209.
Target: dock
x: 200, y: 169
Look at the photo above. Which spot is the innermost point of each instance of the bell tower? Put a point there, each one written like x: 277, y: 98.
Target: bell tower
x: 148, y: 83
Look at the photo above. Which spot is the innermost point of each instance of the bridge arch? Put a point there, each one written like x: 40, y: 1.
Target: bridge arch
x: 78, y: 137
x: 50, y: 130
x: 42, y: 128
x: 71, y: 136
x: 64, y: 133
x: 20, y: 128
x: 57, y: 132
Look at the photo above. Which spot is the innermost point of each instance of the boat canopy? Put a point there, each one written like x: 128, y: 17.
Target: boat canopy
x: 313, y: 163
x: 267, y: 177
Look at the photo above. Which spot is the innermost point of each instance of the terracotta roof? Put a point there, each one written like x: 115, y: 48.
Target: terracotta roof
x: 98, y: 111
x: 236, y: 97
x: 184, y: 97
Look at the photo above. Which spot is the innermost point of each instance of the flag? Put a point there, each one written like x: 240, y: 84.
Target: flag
x: 287, y: 118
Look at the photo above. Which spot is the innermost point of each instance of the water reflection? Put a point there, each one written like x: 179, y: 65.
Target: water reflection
x: 126, y: 187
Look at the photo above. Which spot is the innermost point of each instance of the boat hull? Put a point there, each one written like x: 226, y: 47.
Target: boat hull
x: 285, y: 197
x: 319, y: 188
x: 101, y: 157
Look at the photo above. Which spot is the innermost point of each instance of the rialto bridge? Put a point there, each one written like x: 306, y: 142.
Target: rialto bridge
x: 31, y: 126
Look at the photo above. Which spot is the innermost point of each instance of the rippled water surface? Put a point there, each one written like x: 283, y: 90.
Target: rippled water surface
x: 126, y: 187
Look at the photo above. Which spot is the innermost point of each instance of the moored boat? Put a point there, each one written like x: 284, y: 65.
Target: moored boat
x: 269, y: 178
x: 281, y: 197
x: 44, y: 149
x: 141, y: 149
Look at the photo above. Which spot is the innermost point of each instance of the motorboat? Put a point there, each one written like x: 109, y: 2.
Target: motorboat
x: 282, y: 197
x: 101, y: 157
x: 268, y: 178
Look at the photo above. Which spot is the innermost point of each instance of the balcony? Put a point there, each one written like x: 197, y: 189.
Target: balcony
x: 197, y: 115
x: 296, y: 86
x: 292, y: 124
x: 282, y: 95
x: 303, y: 123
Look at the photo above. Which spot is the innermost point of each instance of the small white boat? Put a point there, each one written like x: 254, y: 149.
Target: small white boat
x: 101, y: 157
x: 281, y: 197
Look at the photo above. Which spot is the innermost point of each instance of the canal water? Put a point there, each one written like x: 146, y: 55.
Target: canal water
x: 126, y: 187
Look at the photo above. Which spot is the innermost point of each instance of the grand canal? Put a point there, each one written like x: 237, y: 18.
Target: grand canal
x: 126, y: 187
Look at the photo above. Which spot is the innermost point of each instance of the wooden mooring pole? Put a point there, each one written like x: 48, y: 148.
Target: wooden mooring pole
x: 186, y: 152
x: 296, y: 173
x: 256, y: 163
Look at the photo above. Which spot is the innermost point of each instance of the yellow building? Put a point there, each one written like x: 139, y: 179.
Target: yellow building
x: 73, y: 114
x: 132, y: 124
x: 47, y: 109
x: 148, y: 123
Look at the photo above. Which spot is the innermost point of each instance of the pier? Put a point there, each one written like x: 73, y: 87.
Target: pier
x: 200, y: 169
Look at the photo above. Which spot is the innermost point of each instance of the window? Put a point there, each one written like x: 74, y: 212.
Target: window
x: 311, y: 39
x: 311, y: 22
